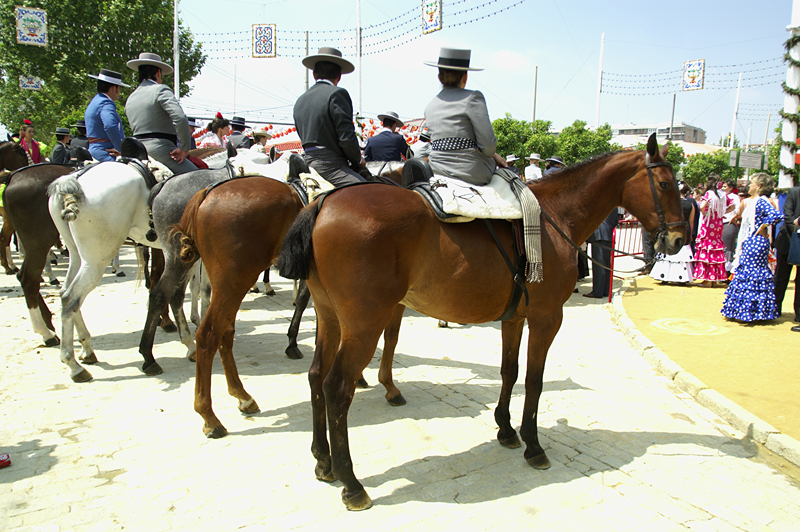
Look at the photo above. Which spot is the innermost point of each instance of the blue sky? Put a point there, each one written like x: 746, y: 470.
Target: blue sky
x: 650, y: 40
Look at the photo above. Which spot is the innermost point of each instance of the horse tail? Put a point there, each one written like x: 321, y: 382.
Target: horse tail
x: 186, y: 229
x: 69, y: 195
x: 297, y: 252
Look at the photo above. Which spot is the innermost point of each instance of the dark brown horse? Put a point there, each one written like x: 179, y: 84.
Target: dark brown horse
x: 371, y: 249
x: 12, y: 157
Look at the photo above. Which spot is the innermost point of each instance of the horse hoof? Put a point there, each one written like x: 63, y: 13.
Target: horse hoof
x: 443, y: 324
x: 89, y: 359
x: 511, y: 442
x: 249, y: 407
x: 294, y: 353
x: 255, y: 290
x: 152, y: 370
x: 120, y: 274
x: 397, y: 400
x: 217, y: 432
x: 10, y: 272
x: 540, y: 461
x: 270, y: 292
x: 52, y: 342
x: 325, y: 475
x: 168, y: 327
x: 357, y: 501
x: 55, y: 282
x: 362, y: 383
x: 192, y: 357
x: 82, y: 376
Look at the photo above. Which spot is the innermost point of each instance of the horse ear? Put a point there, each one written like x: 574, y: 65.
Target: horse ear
x: 664, y: 149
x: 652, y: 146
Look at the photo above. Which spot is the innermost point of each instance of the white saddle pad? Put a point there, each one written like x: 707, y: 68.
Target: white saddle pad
x: 495, y: 200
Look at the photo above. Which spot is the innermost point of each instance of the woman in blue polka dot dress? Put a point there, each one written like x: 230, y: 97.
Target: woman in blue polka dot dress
x: 751, y: 294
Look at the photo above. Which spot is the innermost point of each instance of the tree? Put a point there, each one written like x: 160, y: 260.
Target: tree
x: 84, y: 37
x: 577, y: 143
x: 523, y: 138
x: 675, y: 155
x: 699, y: 166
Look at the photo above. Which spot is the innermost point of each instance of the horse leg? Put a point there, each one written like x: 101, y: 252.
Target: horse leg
x: 539, y: 341
x: 509, y: 370
x: 51, y: 278
x: 194, y: 290
x: 267, y: 288
x: 71, y: 300
x: 87, y: 355
x: 390, y: 336
x: 328, y: 335
x: 205, y: 292
x: 247, y: 405
x: 156, y: 271
x: 176, y: 303
x: 5, y: 247
x: 294, y: 327
x: 41, y: 317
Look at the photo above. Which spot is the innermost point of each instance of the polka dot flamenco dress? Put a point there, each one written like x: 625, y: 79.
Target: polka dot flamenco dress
x: 751, y: 294
x: 709, y: 257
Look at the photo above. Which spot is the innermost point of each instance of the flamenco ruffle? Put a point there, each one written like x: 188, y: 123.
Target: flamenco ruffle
x: 710, y: 272
x: 750, y: 299
x: 674, y: 268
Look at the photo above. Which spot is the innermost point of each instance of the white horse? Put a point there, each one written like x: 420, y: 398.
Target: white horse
x: 94, y: 216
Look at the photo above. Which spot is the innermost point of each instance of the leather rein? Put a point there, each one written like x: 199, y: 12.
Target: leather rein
x: 657, y: 234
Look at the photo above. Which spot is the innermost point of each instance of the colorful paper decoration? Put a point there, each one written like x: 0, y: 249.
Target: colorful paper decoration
x: 431, y: 15
x: 693, y: 74
x: 264, y: 40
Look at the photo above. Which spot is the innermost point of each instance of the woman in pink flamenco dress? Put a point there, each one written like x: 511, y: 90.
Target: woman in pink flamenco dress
x: 709, y: 257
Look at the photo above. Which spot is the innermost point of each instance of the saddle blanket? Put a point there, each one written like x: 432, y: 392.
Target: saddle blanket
x: 494, y: 201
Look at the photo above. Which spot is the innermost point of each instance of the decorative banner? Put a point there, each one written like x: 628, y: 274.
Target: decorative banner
x: 693, y: 74
x: 264, y: 40
x: 431, y: 15
x: 31, y: 26
x: 30, y: 83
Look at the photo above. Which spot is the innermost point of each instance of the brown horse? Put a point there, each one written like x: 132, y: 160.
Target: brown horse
x: 12, y: 157
x: 237, y: 229
x: 371, y: 249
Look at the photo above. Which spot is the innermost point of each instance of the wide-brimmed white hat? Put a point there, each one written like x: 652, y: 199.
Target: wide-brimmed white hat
x: 534, y: 157
x: 109, y: 76
x: 146, y: 58
x: 453, y: 59
x: 511, y: 158
x: 332, y: 55
x: 262, y: 133
x: 391, y: 115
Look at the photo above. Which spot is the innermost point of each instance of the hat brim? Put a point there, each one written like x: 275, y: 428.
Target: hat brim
x: 449, y: 67
x: 533, y: 159
x: 257, y: 135
x: 120, y: 84
x: 134, y: 65
x: 311, y: 60
x: 400, y: 123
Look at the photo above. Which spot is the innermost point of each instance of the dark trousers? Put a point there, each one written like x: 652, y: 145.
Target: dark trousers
x: 649, y: 248
x: 783, y: 271
x: 332, y: 167
x: 601, y: 277
x: 729, y: 234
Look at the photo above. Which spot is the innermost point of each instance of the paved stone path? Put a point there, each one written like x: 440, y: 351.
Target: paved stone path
x: 630, y: 451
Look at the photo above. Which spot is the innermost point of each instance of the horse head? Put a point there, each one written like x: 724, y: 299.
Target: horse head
x: 12, y: 156
x: 655, y: 200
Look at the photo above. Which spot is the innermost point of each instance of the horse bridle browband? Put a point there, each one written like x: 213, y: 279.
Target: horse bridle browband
x: 659, y: 232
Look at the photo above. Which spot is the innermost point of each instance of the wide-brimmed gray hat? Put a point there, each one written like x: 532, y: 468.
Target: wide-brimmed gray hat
x: 391, y: 115
x: 109, y: 76
x: 237, y: 121
x: 555, y: 159
x: 61, y: 131
x: 534, y: 157
x: 331, y: 55
x: 453, y: 59
x: 146, y: 58
x: 81, y: 123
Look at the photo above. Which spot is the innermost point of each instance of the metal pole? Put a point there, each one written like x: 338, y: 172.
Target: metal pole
x: 746, y: 149
x: 535, y: 83
x: 176, y: 49
x: 599, y: 81
x: 306, y: 56
x: 735, y: 112
x: 358, y: 51
x: 234, y: 88
x: 790, y: 104
x: 672, y: 120
x: 766, y: 136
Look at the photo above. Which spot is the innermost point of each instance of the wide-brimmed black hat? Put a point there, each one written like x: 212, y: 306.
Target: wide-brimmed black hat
x: 146, y: 58
x: 331, y: 55
x: 61, y: 131
x: 237, y: 121
x: 453, y: 59
x: 192, y: 121
x: 81, y: 123
x: 391, y: 115
x: 109, y: 76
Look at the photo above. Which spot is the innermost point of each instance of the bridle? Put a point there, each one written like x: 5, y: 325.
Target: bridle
x: 659, y: 234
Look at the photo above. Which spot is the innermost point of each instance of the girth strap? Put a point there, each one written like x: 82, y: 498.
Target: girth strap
x: 517, y: 271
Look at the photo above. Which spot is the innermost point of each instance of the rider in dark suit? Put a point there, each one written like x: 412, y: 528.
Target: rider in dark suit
x: 783, y: 270
x: 81, y: 141
x: 237, y: 136
x: 388, y: 145
x: 323, y: 117
x: 61, y: 152
x: 602, y: 236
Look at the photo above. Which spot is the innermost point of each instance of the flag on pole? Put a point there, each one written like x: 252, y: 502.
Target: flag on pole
x: 693, y: 74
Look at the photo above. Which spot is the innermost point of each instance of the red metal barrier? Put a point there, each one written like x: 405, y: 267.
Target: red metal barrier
x: 627, y: 239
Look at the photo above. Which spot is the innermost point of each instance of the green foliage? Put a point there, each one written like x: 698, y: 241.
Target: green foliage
x: 699, y: 166
x: 84, y: 37
x: 675, y: 155
x: 577, y: 143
